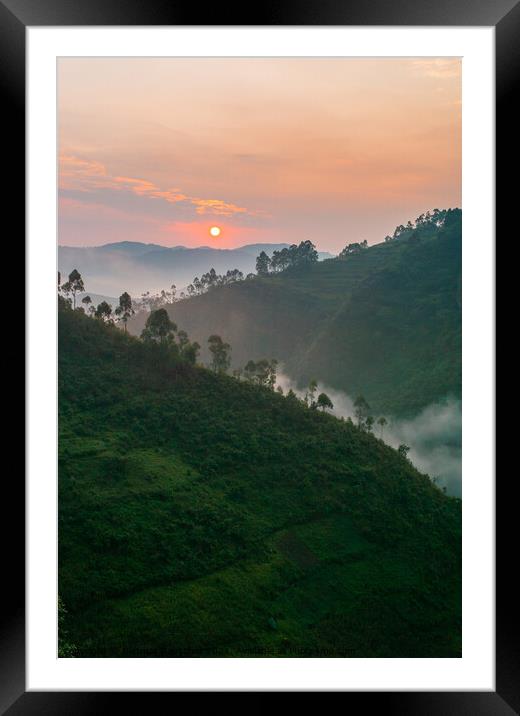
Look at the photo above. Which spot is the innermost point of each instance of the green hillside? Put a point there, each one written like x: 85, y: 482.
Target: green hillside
x: 202, y: 516
x: 385, y: 322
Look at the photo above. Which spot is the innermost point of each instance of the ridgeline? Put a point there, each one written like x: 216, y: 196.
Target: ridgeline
x: 383, y: 321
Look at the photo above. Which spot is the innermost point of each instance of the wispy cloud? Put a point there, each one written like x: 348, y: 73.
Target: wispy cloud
x: 85, y: 175
x: 438, y: 67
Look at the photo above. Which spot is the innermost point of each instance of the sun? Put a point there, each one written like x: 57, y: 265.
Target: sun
x: 215, y: 231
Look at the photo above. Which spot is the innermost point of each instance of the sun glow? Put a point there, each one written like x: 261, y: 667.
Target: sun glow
x: 215, y: 231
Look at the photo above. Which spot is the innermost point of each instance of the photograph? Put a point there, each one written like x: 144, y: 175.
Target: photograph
x: 259, y: 307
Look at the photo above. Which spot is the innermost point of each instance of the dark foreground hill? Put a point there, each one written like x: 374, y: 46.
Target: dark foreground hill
x: 385, y: 322
x: 201, y: 516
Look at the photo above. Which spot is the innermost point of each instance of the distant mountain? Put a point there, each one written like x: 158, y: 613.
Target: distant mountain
x: 384, y: 322
x: 137, y: 267
x: 97, y: 298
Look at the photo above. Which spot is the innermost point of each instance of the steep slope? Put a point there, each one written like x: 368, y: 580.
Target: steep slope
x: 385, y: 322
x: 201, y: 516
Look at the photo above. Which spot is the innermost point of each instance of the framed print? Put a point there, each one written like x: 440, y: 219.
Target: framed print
x: 260, y: 432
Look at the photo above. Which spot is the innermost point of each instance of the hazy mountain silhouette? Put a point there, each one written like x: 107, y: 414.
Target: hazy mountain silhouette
x: 137, y: 267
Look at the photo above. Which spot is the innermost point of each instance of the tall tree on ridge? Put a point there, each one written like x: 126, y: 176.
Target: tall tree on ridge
x: 125, y: 308
x: 74, y: 285
x: 263, y: 263
x: 382, y: 422
x: 324, y: 402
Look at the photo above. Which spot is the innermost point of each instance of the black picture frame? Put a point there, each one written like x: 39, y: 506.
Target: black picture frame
x: 15, y: 17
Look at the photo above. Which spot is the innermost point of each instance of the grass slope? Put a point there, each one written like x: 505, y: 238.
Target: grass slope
x: 385, y: 323
x: 203, y: 516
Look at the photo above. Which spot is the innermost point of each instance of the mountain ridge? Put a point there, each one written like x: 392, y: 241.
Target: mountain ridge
x: 110, y: 269
x: 384, y: 322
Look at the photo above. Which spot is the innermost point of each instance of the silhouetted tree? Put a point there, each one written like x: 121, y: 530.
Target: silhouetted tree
x: 311, y: 392
x: 73, y: 286
x: 125, y: 308
x: 403, y: 450
x: 190, y: 353
x: 159, y: 328
x: 382, y: 422
x: 104, y: 312
x: 294, y: 255
x: 324, y: 402
x: 263, y: 264
x: 354, y: 248
x: 361, y: 411
x: 219, y: 350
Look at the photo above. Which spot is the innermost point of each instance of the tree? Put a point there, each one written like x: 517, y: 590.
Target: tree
x: 125, y: 308
x: 271, y: 378
x: 382, y: 422
x: 291, y: 396
x: 324, y: 402
x: 73, y: 286
x: 87, y: 301
x: 190, y: 353
x: 361, y: 410
x: 296, y: 255
x: 403, y: 450
x: 104, y: 312
x: 219, y: 350
x: 159, y: 328
x: 262, y: 372
x: 250, y: 371
x: 354, y: 248
x: 369, y: 423
x: 311, y: 392
x: 183, y: 340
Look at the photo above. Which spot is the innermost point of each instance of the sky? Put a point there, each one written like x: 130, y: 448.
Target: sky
x: 268, y: 150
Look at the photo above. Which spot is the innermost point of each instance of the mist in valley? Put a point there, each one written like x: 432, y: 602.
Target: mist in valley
x: 434, y: 435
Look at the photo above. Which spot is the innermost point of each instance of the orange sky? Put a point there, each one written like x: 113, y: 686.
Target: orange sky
x: 332, y: 150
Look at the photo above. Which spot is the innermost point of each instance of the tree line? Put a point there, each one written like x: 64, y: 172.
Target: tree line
x: 211, y: 280
x: 161, y: 330
x: 294, y: 255
x: 437, y: 218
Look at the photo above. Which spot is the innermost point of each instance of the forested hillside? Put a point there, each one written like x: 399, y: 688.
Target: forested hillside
x: 200, y: 515
x: 383, y: 321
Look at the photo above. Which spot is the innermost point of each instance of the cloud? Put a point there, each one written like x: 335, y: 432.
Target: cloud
x: 218, y: 207
x: 438, y: 67
x: 84, y: 175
